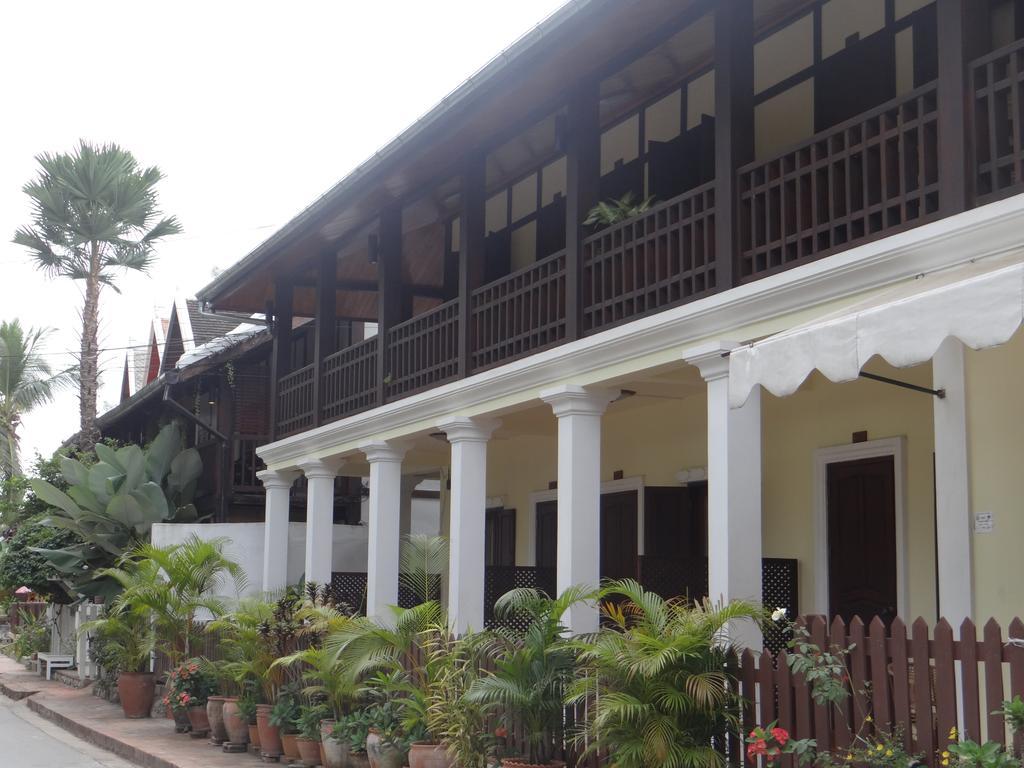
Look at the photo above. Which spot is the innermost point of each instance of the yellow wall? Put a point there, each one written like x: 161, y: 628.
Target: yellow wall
x: 995, y: 434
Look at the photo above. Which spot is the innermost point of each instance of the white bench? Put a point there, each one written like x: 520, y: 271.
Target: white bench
x: 54, y: 661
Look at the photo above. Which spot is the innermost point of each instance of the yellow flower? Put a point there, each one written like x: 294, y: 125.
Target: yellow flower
x: 888, y: 753
x: 945, y: 762
x: 869, y: 719
x: 879, y: 748
x: 849, y: 756
x: 952, y: 733
x: 945, y: 754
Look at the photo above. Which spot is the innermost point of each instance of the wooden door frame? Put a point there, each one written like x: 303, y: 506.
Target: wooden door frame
x: 634, y: 483
x: 872, y: 449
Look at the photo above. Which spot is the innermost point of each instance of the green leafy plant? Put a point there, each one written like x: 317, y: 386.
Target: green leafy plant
x: 126, y: 636
x: 1013, y: 712
x: 286, y: 711
x: 326, y: 679
x: 33, y: 634
x: 533, y: 665
x: 615, y: 211
x: 309, y: 718
x: 353, y: 730
x: 422, y: 560
x: 21, y: 564
x: 112, y: 505
x: 971, y: 754
x: 190, y: 684
x: 659, y: 685
x: 824, y: 669
x: 247, y: 707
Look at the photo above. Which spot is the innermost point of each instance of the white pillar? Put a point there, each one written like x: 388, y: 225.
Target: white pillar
x: 468, y: 438
x: 385, y: 501
x: 579, y: 413
x: 734, y: 490
x: 320, y: 474
x: 952, y: 486
x: 278, y: 486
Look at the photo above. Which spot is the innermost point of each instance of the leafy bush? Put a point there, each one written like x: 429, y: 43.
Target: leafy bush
x: 22, y: 565
x: 190, y: 684
x: 33, y: 635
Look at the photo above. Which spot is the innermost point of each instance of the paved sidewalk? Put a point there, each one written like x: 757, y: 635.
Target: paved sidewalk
x: 151, y: 743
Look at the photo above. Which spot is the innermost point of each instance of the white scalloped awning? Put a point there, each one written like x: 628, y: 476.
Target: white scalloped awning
x: 981, y: 304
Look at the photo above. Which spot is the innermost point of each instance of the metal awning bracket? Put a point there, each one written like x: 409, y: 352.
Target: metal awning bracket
x: 939, y: 393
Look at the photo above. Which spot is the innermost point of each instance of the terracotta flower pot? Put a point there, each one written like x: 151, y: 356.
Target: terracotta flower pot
x: 309, y: 752
x: 291, y: 748
x: 383, y: 755
x: 236, y: 727
x: 254, y: 735
x: 423, y: 754
x: 200, y: 722
x: 215, y: 714
x: 269, y: 735
x: 136, y: 691
x: 336, y: 753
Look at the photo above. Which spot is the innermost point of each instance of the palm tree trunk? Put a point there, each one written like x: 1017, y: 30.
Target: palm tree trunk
x: 90, y: 354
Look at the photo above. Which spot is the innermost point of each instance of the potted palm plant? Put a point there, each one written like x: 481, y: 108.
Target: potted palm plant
x: 308, y: 741
x: 534, y: 666
x: 658, y: 687
x: 127, y: 634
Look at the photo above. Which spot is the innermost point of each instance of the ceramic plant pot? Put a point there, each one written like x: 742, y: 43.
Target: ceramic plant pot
x: 254, y: 735
x: 309, y: 752
x: 289, y: 742
x: 383, y: 755
x: 358, y: 760
x: 215, y: 714
x: 136, y: 691
x: 423, y: 754
x: 336, y: 753
x: 236, y: 727
x: 269, y: 735
x: 200, y: 722
x: 181, y: 723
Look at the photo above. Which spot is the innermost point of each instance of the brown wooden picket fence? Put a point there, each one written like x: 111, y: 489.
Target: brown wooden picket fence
x: 909, y: 680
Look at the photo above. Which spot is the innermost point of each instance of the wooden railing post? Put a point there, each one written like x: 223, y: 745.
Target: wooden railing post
x: 389, y: 288
x: 961, y: 33
x: 734, y: 127
x: 280, y: 360
x: 326, y: 340
x: 582, y: 141
x: 471, y: 253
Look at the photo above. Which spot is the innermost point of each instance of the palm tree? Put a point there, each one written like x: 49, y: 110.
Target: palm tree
x: 26, y: 381
x: 94, y: 211
x: 659, y: 685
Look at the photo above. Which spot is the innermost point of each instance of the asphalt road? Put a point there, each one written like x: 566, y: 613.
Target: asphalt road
x: 29, y: 741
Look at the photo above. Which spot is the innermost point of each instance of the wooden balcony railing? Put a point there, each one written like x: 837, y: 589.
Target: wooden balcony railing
x: 871, y: 176
x: 349, y: 380
x: 423, y: 352
x: 296, y: 401
x: 247, y: 463
x: 997, y: 83
x: 664, y: 257
x: 519, y: 314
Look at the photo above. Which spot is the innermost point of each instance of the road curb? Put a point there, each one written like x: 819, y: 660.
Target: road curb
x: 15, y: 694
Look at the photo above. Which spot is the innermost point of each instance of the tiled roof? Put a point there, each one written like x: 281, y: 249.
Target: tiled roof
x: 207, y: 327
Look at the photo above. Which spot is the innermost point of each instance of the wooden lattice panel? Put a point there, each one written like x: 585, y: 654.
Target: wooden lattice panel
x: 350, y: 380
x: 997, y: 80
x: 661, y: 258
x: 869, y: 177
x: 424, y: 351
x: 519, y: 314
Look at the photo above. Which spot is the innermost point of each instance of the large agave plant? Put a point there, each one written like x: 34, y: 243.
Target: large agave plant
x: 113, y: 504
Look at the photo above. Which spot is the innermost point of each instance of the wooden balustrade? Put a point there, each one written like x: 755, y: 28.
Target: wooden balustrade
x: 296, y: 401
x: 871, y: 176
x: 661, y: 258
x: 520, y: 314
x: 423, y: 352
x: 997, y: 88
x: 247, y: 463
x: 349, y: 380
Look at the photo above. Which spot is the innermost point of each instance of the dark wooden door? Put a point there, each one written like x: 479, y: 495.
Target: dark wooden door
x: 500, y: 537
x: 547, y: 534
x: 862, y: 539
x: 618, y: 535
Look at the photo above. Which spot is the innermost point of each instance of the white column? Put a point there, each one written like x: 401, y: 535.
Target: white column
x: 468, y: 438
x: 952, y: 486
x: 579, y: 413
x: 320, y: 474
x: 385, y: 501
x: 734, y: 490
x: 278, y: 486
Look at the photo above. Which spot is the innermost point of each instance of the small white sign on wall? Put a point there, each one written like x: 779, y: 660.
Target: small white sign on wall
x: 983, y: 522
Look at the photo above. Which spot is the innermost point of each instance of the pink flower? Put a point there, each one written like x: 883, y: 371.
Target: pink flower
x: 780, y: 735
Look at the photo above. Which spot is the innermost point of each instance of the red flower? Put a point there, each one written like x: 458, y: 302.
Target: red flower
x: 780, y: 735
x: 758, y: 747
x: 501, y: 732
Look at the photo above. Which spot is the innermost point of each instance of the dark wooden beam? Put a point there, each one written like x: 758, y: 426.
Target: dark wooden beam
x: 280, y: 358
x: 961, y: 38
x: 582, y: 141
x: 734, y: 126
x: 391, y: 297
x: 471, y: 251
x: 326, y: 340
x: 370, y: 286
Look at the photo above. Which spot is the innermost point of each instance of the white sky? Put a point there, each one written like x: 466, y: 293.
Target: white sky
x: 251, y: 109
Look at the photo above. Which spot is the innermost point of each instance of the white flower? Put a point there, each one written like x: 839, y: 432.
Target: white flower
x: 778, y: 614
